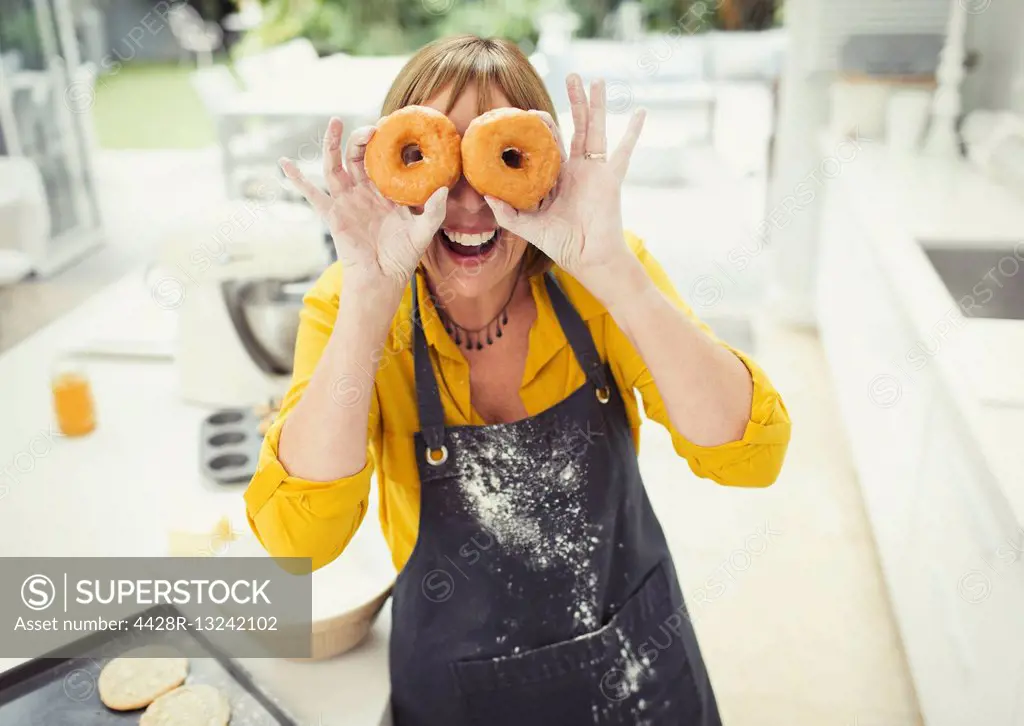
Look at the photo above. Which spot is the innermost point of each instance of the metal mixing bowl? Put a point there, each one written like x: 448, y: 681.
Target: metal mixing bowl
x: 266, y: 316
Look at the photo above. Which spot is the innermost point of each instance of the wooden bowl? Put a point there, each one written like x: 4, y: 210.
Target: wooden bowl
x: 334, y: 636
x: 348, y: 593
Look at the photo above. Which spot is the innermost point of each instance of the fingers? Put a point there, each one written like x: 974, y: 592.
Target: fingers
x: 624, y: 151
x: 430, y: 221
x: 597, y: 142
x: 436, y: 207
x: 504, y: 213
x: 508, y: 217
x: 555, y: 130
x: 535, y: 227
x: 578, y: 104
x: 553, y: 126
x: 316, y: 197
x: 355, y: 153
x: 334, y: 174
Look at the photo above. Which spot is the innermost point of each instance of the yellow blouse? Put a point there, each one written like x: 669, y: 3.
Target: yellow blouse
x: 294, y: 517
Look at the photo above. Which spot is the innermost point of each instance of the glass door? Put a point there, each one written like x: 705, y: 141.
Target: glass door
x: 46, y: 98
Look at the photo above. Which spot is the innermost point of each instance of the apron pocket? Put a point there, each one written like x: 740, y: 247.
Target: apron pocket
x: 632, y: 670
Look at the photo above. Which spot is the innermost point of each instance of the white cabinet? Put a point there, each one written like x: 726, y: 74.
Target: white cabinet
x: 970, y: 550
x: 884, y: 402
x: 931, y: 617
x: 950, y: 551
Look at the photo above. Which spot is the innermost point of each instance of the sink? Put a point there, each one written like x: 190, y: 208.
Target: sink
x: 985, y: 282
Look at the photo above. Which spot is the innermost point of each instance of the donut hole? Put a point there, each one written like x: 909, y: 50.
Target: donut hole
x: 411, y: 154
x: 512, y: 158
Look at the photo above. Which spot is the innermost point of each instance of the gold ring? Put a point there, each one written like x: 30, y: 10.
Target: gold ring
x: 598, y: 156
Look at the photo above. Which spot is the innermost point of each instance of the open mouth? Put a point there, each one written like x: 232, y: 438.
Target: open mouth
x: 469, y: 245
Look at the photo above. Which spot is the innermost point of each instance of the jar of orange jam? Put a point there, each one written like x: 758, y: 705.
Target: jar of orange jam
x: 72, y: 399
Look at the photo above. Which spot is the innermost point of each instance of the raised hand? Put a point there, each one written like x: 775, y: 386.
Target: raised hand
x: 579, y: 225
x: 379, y: 243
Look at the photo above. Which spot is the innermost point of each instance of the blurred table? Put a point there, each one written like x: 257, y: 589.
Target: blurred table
x: 337, y: 85
x: 348, y: 87
x: 120, y: 490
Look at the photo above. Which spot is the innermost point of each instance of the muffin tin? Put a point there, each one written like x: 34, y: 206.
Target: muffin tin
x: 229, y: 445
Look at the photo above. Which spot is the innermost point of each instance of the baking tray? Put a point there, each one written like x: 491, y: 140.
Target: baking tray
x: 229, y: 445
x: 49, y: 691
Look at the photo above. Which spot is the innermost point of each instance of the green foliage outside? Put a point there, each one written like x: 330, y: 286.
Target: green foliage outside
x: 150, y: 106
x: 153, y: 106
x: 18, y: 29
x: 390, y: 27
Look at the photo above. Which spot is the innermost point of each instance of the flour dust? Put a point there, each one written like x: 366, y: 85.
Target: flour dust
x: 525, y: 485
x: 621, y: 683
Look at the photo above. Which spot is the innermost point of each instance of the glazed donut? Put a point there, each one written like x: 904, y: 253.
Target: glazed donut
x: 413, y: 153
x: 511, y: 154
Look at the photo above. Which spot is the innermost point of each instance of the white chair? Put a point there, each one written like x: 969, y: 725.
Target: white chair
x: 673, y: 58
x: 24, y: 217
x: 14, y: 267
x: 215, y: 86
x: 249, y: 148
x: 746, y: 56
x: 194, y: 35
x: 277, y: 65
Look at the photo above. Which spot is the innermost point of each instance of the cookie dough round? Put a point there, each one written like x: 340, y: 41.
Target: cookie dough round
x: 193, y: 705
x: 127, y: 683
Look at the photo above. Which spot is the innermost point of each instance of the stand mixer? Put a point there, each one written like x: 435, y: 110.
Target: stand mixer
x: 238, y: 281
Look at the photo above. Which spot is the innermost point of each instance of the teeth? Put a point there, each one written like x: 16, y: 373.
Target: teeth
x: 469, y: 240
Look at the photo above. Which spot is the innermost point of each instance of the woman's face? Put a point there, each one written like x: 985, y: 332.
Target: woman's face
x: 456, y: 261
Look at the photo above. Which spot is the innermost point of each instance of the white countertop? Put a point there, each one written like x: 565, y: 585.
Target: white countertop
x: 909, y: 199
x: 123, y: 488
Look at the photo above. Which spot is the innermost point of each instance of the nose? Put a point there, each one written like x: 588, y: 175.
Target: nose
x: 465, y: 198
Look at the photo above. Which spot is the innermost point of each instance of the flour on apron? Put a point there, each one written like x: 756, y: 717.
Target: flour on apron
x: 532, y: 505
x: 578, y: 573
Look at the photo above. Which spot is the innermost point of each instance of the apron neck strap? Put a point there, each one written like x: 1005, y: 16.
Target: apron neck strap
x: 428, y: 398
x: 577, y: 333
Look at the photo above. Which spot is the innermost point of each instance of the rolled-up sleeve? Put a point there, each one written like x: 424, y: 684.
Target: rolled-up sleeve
x: 294, y: 517
x: 755, y: 459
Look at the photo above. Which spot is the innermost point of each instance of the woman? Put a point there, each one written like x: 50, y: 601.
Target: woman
x: 491, y: 388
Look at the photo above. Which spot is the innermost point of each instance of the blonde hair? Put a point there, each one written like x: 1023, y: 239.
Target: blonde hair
x: 488, y: 63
